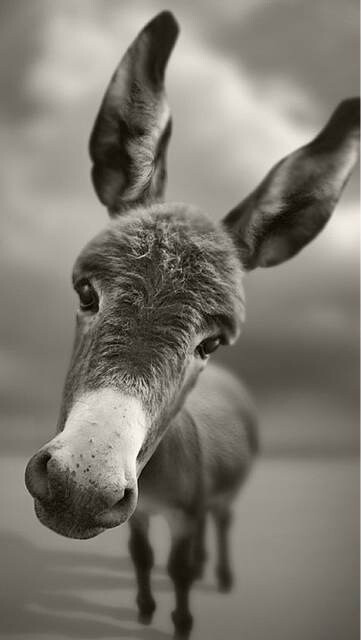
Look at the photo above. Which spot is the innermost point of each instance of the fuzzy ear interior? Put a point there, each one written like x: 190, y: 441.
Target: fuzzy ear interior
x: 296, y: 199
x: 129, y: 140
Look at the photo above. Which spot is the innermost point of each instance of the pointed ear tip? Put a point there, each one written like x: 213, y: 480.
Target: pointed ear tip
x: 349, y: 111
x: 167, y: 22
x: 352, y: 102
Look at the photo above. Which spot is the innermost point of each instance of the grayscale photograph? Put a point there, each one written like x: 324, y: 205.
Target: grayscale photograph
x: 179, y: 320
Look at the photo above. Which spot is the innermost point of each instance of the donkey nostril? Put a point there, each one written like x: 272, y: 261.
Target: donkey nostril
x: 119, y: 512
x: 36, y: 475
x: 124, y: 501
x: 122, y: 505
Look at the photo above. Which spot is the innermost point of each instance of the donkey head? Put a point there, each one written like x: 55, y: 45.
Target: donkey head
x: 161, y: 287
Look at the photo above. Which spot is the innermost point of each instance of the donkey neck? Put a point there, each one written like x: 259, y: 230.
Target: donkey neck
x: 174, y: 473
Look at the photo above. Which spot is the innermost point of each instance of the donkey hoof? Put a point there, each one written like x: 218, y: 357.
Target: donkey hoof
x: 145, y: 618
x: 146, y: 611
x: 183, y: 623
x: 225, y: 581
x: 181, y: 635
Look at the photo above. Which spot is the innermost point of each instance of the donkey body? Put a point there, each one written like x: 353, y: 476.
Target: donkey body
x: 160, y: 289
x: 198, y: 468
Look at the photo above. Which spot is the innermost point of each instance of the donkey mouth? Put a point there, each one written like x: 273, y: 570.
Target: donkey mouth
x: 66, y: 525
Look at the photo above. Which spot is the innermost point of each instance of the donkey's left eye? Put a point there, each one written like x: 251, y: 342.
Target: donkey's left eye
x: 208, y: 346
x: 88, y: 297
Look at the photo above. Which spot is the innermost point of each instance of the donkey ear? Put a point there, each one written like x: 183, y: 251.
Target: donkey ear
x: 130, y: 136
x: 296, y: 199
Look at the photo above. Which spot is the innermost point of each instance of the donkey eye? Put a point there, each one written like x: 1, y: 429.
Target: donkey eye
x: 208, y: 346
x: 87, y: 296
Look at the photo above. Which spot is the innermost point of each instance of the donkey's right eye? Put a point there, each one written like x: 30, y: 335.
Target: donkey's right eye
x: 88, y: 297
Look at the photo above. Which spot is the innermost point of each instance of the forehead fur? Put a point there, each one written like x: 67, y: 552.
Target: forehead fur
x: 164, y: 274
x: 168, y: 262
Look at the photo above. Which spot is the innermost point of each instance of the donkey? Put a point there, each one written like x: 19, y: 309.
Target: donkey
x: 159, y: 290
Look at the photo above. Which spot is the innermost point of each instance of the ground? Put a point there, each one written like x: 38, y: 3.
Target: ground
x: 295, y: 558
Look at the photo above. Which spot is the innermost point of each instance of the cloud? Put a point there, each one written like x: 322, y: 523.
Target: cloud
x: 230, y: 130
x: 315, y: 43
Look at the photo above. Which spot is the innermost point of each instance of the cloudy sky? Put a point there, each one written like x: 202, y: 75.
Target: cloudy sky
x: 248, y: 82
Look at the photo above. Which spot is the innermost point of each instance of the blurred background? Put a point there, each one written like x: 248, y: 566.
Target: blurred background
x: 248, y: 82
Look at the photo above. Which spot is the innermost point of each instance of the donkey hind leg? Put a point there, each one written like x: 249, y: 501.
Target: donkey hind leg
x: 200, y: 554
x: 142, y: 556
x: 222, y: 518
x: 182, y: 569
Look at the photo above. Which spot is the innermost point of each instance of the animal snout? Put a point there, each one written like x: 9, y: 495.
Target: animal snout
x: 76, y: 498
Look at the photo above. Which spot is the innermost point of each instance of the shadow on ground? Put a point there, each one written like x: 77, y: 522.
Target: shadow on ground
x: 41, y: 593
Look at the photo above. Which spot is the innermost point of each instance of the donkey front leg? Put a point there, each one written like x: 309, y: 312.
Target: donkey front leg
x: 182, y: 568
x: 223, y: 518
x: 143, y: 558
